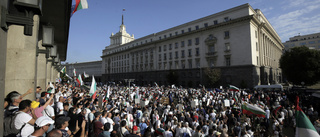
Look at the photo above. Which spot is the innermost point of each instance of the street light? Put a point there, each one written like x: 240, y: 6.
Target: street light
x: 47, y: 36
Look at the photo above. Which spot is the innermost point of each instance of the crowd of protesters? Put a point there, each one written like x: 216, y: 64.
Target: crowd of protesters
x: 118, y: 111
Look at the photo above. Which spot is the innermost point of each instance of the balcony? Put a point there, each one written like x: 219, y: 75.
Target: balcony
x: 211, y: 53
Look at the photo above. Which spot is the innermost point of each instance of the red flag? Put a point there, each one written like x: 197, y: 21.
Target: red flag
x: 94, y: 95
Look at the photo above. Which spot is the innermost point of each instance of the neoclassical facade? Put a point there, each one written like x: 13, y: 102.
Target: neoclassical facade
x: 239, y: 41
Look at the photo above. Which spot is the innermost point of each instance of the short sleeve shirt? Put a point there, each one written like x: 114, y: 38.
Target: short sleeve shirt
x: 21, y: 119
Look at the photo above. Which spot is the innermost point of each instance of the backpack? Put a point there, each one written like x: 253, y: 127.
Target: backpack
x: 185, y: 134
x: 9, y: 126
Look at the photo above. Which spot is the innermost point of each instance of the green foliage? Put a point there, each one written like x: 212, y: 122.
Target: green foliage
x: 213, y: 76
x: 172, y: 77
x: 301, y: 64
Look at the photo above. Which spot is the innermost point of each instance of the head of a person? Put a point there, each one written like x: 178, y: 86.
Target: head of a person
x: 83, y: 112
x: 72, y: 111
x: 61, y: 99
x: 43, y: 123
x: 136, y: 129
x: 38, y: 90
x: 62, y: 122
x: 15, y: 97
x: 66, y: 106
x: 25, y: 105
x: 43, y: 94
x: 97, y: 114
x: 107, y: 126
x: 123, y: 123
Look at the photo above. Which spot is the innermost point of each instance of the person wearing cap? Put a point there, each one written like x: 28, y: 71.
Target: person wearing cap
x: 49, y: 110
x: 42, y: 125
x: 135, y: 132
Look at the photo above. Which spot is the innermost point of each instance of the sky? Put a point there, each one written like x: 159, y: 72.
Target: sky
x: 91, y: 28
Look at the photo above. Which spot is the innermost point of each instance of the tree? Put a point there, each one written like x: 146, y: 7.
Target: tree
x: 213, y: 76
x: 301, y: 64
x: 172, y: 77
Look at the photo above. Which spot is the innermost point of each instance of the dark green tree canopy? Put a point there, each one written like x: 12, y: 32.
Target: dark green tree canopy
x: 301, y: 64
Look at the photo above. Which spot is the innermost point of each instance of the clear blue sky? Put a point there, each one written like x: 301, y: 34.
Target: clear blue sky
x: 91, y: 28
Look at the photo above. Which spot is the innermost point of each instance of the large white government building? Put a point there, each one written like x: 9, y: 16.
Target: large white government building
x: 239, y: 41
x: 312, y: 41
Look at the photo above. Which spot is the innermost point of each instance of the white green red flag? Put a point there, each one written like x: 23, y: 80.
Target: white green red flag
x: 304, y: 127
x: 79, y: 80
x: 233, y: 88
x: 63, y: 70
x: 80, y: 4
x: 277, y: 108
x: 252, y: 110
x: 108, y: 93
x: 51, y: 88
x: 85, y: 75
x: 74, y: 72
x: 93, y: 88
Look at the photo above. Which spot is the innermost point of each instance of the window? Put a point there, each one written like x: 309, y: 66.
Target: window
x: 182, y: 53
x: 227, y: 59
x: 256, y: 34
x: 190, y: 63
x: 177, y: 65
x: 211, y: 63
x: 257, y: 60
x: 159, y: 66
x: 198, y: 63
x: 312, y: 42
x: 176, y: 45
x: 164, y: 47
x: 165, y: 36
x: 189, y: 52
x: 170, y: 65
x: 182, y: 43
x: 159, y: 38
x: 211, y: 49
x: 170, y: 46
x: 205, y: 25
x: 226, y: 19
x: 165, y: 65
x: 170, y: 35
x: 197, y: 41
x: 215, y: 22
x: 164, y: 56
x: 189, y: 29
x: 150, y: 41
x: 302, y: 43
x: 176, y: 33
x: 183, y: 64
x: 182, y: 31
x: 170, y: 55
x: 159, y: 57
x: 197, y: 27
x: 159, y: 48
x: 176, y: 53
x: 257, y: 48
x: 227, y: 46
x: 197, y: 52
x: 189, y: 42
x: 226, y: 34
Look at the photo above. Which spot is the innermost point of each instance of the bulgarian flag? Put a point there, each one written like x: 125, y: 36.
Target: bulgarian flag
x: 235, y: 98
x: 93, y: 88
x: 211, y: 93
x: 74, y: 72
x: 51, y: 88
x: 80, y: 4
x: 251, y: 109
x: 277, y: 108
x: 63, y: 70
x: 79, y: 80
x: 304, y: 127
x: 233, y: 88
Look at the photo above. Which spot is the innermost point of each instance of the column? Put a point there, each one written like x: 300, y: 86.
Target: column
x: 20, y: 74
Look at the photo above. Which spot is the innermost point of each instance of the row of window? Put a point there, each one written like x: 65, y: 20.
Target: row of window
x: 176, y: 54
x: 176, y: 44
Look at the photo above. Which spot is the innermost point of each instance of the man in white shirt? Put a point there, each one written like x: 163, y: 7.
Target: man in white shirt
x: 60, y: 105
x: 109, y: 120
x: 103, y: 118
x: 49, y: 111
x: 24, y: 120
